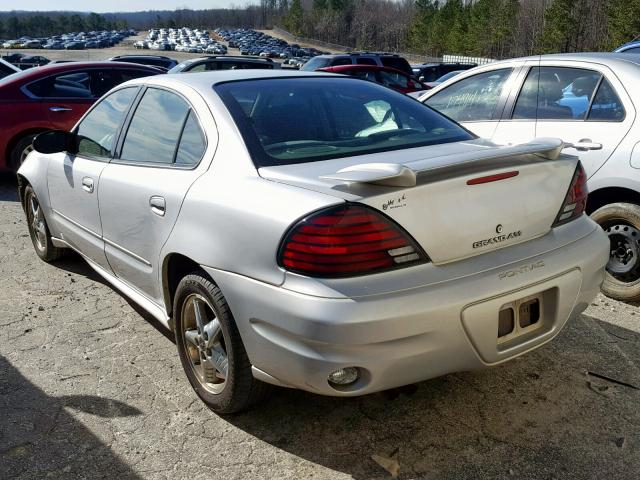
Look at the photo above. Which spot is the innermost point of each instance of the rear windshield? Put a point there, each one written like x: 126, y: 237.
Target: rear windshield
x: 317, y: 62
x: 285, y: 121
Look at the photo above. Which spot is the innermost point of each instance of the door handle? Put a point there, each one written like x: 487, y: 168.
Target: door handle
x: 584, y: 145
x: 158, y: 205
x: 87, y: 184
x: 60, y: 109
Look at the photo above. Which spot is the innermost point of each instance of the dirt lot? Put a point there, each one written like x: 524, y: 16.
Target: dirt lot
x: 124, y: 48
x: 91, y: 387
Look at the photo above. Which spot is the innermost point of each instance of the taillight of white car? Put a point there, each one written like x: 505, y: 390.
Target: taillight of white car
x: 576, y: 200
x: 347, y: 240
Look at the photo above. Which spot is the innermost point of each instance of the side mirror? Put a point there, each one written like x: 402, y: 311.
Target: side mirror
x: 53, y: 141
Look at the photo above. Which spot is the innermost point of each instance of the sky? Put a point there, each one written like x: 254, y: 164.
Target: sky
x: 101, y: 6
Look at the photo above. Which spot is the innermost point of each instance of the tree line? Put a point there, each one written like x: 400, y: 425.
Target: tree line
x: 487, y: 28
x: 36, y: 25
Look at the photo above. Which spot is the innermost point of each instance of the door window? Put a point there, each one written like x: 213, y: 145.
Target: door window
x: 154, y: 131
x: 556, y: 93
x: 66, y: 85
x: 472, y: 99
x: 365, y: 61
x: 606, y: 105
x: 97, y: 132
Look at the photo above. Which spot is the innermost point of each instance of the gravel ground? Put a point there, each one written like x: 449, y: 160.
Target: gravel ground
x: 91, y: 387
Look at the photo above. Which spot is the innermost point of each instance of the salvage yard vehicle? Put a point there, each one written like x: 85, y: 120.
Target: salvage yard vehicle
x: 224, y: 62
x: 53, y: 96
x: 315, y: 231
x: 387, y: 76
x: 587, y: 99
x: 392, y: 60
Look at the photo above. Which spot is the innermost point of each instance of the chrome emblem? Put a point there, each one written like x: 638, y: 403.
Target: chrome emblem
x: 499, y: 228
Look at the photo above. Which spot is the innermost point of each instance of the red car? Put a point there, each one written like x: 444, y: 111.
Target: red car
x: 387, y: 76
x: 53, y: 96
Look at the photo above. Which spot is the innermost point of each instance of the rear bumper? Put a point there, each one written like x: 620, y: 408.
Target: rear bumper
x: 402, y: 337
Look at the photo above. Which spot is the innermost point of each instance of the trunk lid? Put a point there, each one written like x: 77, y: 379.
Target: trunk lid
x: 453, y: 211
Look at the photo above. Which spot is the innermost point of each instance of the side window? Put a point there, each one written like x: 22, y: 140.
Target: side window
x: 96, y: 134
x: 556, y: 93
x: 365, y: 61
x: 202, y: 67
x: 606, y: 105
x: 154, y: 133
x: 472, y: 99
x: 192, y: 142
x: 126, y: 75
x: 66, y: 85
x: 341, y: 61
x: 103, y: 80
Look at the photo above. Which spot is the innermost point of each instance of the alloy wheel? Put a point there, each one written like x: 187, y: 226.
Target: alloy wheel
x: 204, y: 343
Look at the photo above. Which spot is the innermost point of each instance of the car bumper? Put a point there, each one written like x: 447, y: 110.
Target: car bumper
x: 401, y: 337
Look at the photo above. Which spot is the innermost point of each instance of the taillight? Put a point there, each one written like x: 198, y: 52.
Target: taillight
x: 576, y: 199
x: 347, y: 240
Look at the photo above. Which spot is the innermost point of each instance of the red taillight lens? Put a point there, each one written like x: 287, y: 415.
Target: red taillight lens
x: 345, y: 241
x: 576, y: 200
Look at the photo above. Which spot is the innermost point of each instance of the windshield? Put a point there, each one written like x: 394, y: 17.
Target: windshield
x: 298, y: 120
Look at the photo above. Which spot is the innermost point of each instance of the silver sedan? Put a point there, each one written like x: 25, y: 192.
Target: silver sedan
x: 314, y: 231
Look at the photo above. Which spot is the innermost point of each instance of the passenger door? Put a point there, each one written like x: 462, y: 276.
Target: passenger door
x: 141, y: 192
x: 73, y: 178
x: 583, y: 103
x: 475, y: 101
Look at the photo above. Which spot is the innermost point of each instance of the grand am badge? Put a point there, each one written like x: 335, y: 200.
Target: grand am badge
x: 497, y: 239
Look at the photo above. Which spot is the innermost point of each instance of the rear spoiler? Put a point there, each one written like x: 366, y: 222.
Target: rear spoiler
x: 399, y: 175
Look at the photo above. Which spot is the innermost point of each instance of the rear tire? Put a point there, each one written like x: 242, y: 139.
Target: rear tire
x: 21, y: 150
x: 621, y: 221
x: 211, y: 349
x: 38, y: 228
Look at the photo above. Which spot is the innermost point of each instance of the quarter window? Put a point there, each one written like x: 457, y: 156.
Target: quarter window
x: 96, y: 134
x: 556, y: 93
x: 472, y: 99
x: 192, y: 142
x: 606, y: 105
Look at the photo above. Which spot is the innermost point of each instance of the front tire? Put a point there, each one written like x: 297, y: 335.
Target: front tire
x: 210, y: 348
x: 38, y: 228
x: 20, y: 151
x: 621, y: 221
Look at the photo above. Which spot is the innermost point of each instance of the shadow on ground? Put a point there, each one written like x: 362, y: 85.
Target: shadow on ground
x: 8, y: 187
x: 541, y: 416
x: 39, y: 438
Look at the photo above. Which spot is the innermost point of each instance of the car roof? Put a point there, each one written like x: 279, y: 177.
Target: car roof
x: 52, y: 68
x: 608, y: 58
x: 341, y: 68
x: 632, y: 43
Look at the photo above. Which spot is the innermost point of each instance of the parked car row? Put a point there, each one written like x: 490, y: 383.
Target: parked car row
x: 251, y: 42
x: 325, y: 250
x: 72, y: 41
x: 181, y: 40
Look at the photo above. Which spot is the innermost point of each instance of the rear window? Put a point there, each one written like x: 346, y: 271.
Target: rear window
x: 315, y: 63
x: 285, y: 121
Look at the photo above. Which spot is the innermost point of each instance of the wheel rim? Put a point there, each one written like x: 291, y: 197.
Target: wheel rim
x: 25, y: 153
x: 624, y: 252
x: 37, y: 224
x: 204, y: 344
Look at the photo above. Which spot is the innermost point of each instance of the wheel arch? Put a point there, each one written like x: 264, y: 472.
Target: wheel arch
x: 174, y: 268
x: 604, y: 196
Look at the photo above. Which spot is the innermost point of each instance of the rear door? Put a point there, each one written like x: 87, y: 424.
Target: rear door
x: 476, y: 101
x: 73, y: 179
x: 579, y: 101
x: 141, y: 192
